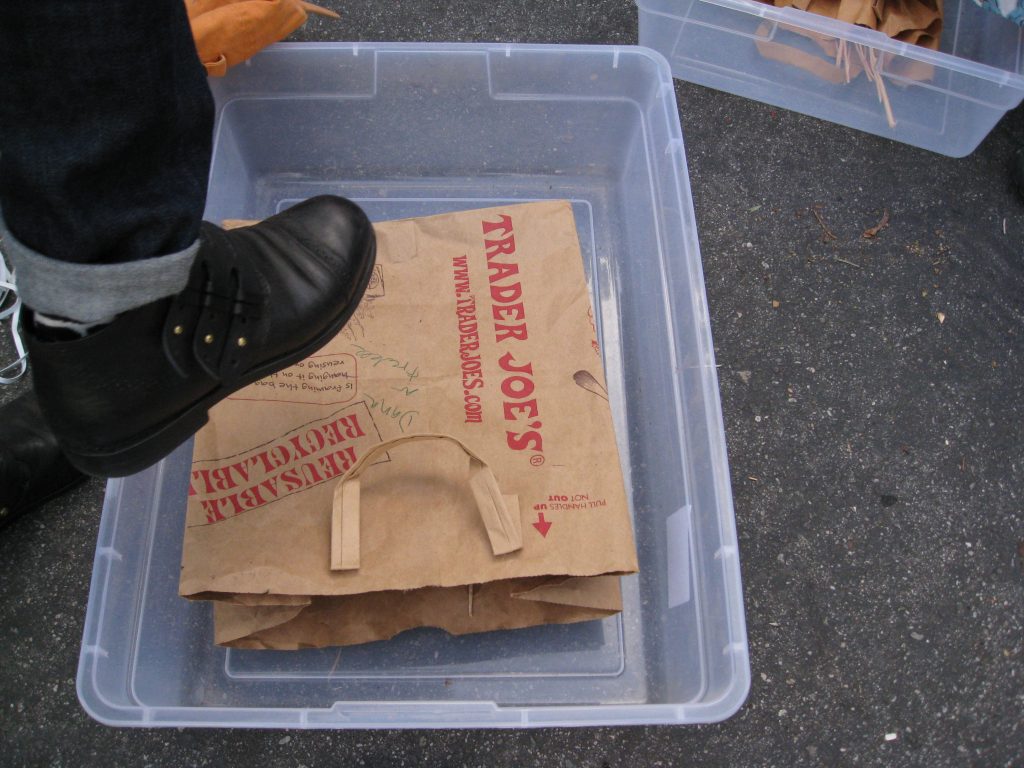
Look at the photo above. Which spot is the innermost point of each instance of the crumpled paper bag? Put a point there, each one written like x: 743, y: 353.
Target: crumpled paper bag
x: 227, y: 32
x: 918, y: 22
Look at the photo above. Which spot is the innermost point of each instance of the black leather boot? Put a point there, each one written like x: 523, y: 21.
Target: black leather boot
x: 259, y: 299
x: 33, y: 469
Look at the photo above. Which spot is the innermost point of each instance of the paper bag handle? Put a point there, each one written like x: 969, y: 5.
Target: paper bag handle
x: 503, y: 524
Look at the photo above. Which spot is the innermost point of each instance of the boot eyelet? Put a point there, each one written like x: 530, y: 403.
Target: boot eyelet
x: 208, y: 338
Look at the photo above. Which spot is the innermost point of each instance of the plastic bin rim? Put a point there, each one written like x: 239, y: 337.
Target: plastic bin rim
x: 659, y: 60
x: 851, y: 33
x: 115, y: 715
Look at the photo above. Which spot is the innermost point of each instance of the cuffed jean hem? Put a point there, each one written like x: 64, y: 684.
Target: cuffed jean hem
x: 94, y: 293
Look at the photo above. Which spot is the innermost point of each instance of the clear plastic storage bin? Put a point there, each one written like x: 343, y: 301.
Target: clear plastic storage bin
x: 410, y: 130
x: 946, y: 101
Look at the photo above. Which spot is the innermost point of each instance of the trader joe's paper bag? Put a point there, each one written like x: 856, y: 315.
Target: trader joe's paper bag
x: 477, y: 326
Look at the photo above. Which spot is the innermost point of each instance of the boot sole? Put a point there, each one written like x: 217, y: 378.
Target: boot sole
x: 157, y: 444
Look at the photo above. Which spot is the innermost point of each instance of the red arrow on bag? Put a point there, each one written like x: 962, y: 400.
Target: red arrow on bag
x: 542, y: 525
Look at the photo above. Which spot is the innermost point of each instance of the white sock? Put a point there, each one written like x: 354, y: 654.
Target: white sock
x: 55, y: 323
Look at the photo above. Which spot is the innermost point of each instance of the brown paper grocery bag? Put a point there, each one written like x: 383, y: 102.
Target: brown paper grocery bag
x: 490, y: 495
x: 918, y: 22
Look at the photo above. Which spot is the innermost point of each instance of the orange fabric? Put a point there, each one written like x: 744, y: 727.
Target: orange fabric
x: 227, y: 32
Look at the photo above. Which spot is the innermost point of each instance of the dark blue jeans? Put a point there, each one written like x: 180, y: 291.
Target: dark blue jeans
x: 105, y: 128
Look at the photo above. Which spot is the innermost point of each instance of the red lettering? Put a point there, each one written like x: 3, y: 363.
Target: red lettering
x: 499, y: 271
x: 528, y: 407
x: 506, y: 246
x: 300, y: 451
x: 310, y: 475
x: 292, y: 481
x: 264, y: 458
x: 509, y: 312
x: 213, y: 514
x: 517, y: 387
x: 504, y: 332
x: 270, y: 486
x: 279, y: 456
x: 315, y: 438
x: 348, y: 458
x: 329, y: 464
x: 508, y: 363
x: 504, y: 224
x: 334, y: 435
x: 532, y: 441
x: 204, y: 475
x: 251, y: 497
x: 267, y: 474
x: 354, y: 429
x: 222, y: 480
x: 233, y: 499
x: 507, y: 293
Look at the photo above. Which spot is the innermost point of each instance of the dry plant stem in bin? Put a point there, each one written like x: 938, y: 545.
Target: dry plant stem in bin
x: 871, y: 64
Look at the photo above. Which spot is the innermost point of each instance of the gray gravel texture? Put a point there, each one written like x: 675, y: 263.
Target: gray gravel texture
x: 874, y: 420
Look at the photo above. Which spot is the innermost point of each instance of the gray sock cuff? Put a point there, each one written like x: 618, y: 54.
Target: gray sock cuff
x: 93, y: 293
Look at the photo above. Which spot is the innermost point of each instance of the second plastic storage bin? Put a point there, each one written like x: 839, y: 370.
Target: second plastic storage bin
x: 946, y: 100
x: 419, y: 129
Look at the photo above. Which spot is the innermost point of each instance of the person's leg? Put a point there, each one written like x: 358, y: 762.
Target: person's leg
x: 105, y: 133
x: 140, y: 316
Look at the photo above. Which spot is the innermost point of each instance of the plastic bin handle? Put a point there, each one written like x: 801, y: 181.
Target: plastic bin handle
x: 500, y: 514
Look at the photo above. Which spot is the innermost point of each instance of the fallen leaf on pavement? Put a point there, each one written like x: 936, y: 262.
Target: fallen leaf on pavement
x: 882, y: 224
